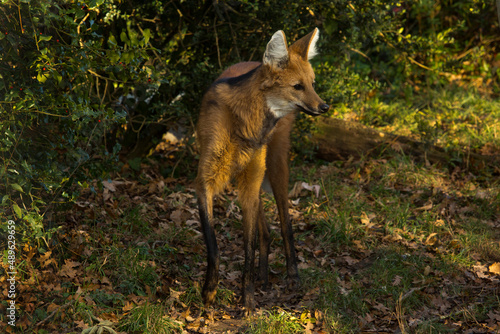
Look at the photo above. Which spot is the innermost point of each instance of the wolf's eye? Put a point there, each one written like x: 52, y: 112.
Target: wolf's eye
x: 314, y: 85
x: 298, y: 87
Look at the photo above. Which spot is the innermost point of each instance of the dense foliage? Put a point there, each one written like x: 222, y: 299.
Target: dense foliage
x: 82, y: 81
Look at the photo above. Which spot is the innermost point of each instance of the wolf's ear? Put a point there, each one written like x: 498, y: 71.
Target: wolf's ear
x: 306, y: 46
x: 276, y: 54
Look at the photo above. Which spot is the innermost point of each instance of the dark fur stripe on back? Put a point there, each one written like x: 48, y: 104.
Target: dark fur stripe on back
x: 236, y: 81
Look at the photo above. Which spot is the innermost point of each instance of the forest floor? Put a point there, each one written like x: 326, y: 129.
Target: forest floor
x: 385, y: 244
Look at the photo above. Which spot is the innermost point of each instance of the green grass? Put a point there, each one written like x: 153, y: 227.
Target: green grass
x: 150, y: 318
x: 133, y: 270
x: 276, y: 322
x: 134, y: 222
x: 451, y: 118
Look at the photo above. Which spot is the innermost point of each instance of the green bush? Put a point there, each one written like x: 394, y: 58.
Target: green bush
x: 61, y: 76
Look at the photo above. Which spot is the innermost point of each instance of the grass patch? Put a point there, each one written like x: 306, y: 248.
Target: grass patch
x: 133, y: 221
x: 276, y: 322
x: 451, y: 118
x: 150, y: 318
x: 133, y: 270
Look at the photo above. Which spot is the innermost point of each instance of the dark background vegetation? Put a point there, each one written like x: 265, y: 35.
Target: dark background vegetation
x: 88, y: 87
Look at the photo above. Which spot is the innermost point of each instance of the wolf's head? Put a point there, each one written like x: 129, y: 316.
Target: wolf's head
x: 290, y: 81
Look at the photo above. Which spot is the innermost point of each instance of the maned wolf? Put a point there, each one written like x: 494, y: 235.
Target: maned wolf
x: 243, y: 134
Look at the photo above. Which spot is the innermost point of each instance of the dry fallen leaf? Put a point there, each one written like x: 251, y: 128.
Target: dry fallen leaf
x: 439, y: 222
x: 426, y: 207
x: 455, y: 244
x: 397, y: 280
x: 427, y: 271
x: 299, y: 186
x: 46, y: 259
x: 128, y: 306
x: 51, y: 307
x: 364, y: 219
x: 432, y: 239
x: 368, y: 318
x: 495, y: 268
x: 350, y: 260
x: 109, y: 185
x: 176, y: 216
x: 67, y: 268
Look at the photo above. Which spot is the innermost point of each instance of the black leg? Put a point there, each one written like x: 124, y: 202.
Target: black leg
x: 264, y: 240
x: 212, y: 275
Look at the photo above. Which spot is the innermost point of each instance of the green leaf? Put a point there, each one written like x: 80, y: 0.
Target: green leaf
x: 42, y: 77
x: 147, y: 35
x: 17, y: 187
x: 112, y: 40
x: 124, y: 37
x: 11, y: 169
x: 17, y: 210
x: 331, y: 27
x: 58, y: 77
x: 45, y: 38
x: 114, y: 57
x: 127, y: 57
x: 33, y: 222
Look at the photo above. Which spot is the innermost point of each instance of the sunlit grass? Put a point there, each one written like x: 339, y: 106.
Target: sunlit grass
x: 421, y: 224
x: 451, y: 117
x: 150, y: 318
x: 276, y: 322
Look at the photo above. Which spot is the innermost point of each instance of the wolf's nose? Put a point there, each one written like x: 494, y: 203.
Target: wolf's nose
x: 324, y: 107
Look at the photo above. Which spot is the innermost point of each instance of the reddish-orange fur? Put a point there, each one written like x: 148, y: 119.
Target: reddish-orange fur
x: 243, y: 133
